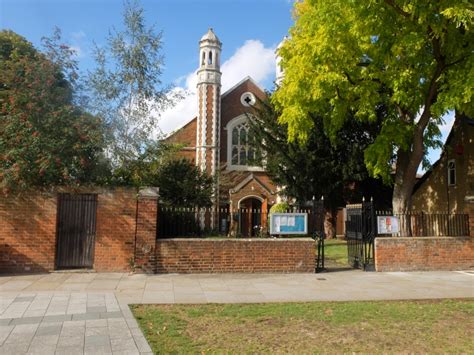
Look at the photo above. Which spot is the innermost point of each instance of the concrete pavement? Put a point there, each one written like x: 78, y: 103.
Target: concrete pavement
x: 88, y: 312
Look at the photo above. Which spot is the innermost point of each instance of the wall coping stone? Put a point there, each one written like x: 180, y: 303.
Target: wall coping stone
x: 239, y: 240
x: 423, y: 238
x: 148, y: 191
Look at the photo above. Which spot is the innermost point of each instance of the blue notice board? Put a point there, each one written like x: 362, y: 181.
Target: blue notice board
x: 288, y: 223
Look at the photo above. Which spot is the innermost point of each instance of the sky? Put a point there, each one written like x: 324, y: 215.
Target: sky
x: 250, y: 30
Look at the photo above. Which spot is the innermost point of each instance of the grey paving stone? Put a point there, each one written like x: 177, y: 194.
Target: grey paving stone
x: 24, y: 299
x: 141, y: 343
x: 86, y: 316
x: 98, y: 350
x: 109, y: 315
x: 123, y: 343
x: 126, y: 352
x: 42, y: 350
x: 5, y: 321
x: 49, y: 329
x: 14, y: 348
x: 69, y: 350
x: 24, y: 329
x: 97, y: 331
x: 57, y: 318
x: 26, y: 320
x: 96, y: 309
x: 97, y: 340
x: 92, y: 323
x: 70, y: 341
x: 44, y: 340
x: 5, y: 332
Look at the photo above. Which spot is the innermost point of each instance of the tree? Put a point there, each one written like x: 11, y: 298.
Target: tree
x: 144, y: 169
x: 314, y: 167
x: 44, y: 138
x: 351, y: 56
x: 125, y: 88
x: 182, y: 184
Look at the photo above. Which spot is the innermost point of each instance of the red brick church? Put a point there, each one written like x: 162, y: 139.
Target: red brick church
x: 217, y: 139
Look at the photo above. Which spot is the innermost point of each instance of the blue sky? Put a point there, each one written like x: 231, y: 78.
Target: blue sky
x: 249, y: 30
x: 182, y: 21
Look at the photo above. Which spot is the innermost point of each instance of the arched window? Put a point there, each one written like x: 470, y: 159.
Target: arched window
x: 203, y: 58
x: 242, y: 147
x: 210, y: 58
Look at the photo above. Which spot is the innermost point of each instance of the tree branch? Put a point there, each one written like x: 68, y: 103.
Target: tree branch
x: 398, y: 8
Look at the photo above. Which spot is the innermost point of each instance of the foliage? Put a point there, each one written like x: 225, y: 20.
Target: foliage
x: 144, y: 169
x: 280, y: 207
x: 351, y: 56
x: 313, y: 167
x: 182, y: 184
x: 44, y: 138
x: 125, y: 87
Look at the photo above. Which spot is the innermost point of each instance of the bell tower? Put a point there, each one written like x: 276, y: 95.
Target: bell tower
x: 209, y: 108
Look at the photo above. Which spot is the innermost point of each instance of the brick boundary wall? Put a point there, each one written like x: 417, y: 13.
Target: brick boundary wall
x: 195, y: 255
x: 424, y: 253
x: 126, y: 223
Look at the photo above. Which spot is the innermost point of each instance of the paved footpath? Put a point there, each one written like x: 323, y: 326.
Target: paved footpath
x: 88, y: 313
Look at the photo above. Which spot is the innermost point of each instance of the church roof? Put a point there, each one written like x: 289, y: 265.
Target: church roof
x: 247, y: 78
x: 210, y: 36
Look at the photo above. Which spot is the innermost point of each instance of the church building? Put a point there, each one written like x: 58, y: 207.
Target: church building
x: 219, y: 142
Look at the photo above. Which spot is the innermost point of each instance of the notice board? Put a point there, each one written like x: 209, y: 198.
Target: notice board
x: 288, y: 223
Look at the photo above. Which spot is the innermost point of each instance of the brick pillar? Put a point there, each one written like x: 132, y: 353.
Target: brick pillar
x: 147, y: 216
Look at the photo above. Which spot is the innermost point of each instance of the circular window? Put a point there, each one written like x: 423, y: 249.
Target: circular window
x: 247, y: 99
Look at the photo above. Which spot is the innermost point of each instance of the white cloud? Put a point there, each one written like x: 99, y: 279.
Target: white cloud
x: 79, y: 43
x: 251, y: 59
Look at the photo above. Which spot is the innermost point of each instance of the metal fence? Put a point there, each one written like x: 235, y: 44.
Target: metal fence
x: 182, y: 222
x: 422, y: 224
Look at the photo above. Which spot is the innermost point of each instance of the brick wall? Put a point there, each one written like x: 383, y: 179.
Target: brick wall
x: 235, y: 255
x: 424, y: 253
x: 28, y: 231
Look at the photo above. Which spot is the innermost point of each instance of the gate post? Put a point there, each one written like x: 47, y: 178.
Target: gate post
x: 145, y: 232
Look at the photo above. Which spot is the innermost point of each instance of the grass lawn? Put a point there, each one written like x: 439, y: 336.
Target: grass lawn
x: 445, y: 326
x: 335, y: 252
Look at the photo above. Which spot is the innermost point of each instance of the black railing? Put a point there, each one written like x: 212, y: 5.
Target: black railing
x: 180, y: 222
x: 421, y: 224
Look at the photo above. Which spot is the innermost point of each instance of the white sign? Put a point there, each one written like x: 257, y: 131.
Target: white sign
x: 388, y: 225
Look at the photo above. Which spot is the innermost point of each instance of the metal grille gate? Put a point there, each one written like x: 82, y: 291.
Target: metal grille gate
x: 76, y: 228
x: 318, y: 233
x: 361, y: 228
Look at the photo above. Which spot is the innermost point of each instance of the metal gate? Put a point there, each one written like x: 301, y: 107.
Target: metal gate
x: 361, y: 230
x: 76, y: 227
x: 317, y: 225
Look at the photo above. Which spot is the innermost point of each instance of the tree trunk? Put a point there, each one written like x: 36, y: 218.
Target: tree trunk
x: 330, y: 224
x: 405, y: 179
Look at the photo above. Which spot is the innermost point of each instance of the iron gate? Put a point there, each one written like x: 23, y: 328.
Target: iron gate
x: 76, y: 227
x: 361, y: 229
x: 317, y: 223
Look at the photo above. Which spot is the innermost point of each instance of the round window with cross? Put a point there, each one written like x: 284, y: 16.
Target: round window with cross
x: 247, y: 99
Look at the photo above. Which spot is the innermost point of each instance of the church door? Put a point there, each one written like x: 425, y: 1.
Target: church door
x: 250, y: 216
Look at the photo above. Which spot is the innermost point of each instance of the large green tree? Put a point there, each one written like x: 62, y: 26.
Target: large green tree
x: 44, y: 138
x: 125, y: 88
x: 414, y: 57
x: 317, y: 167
